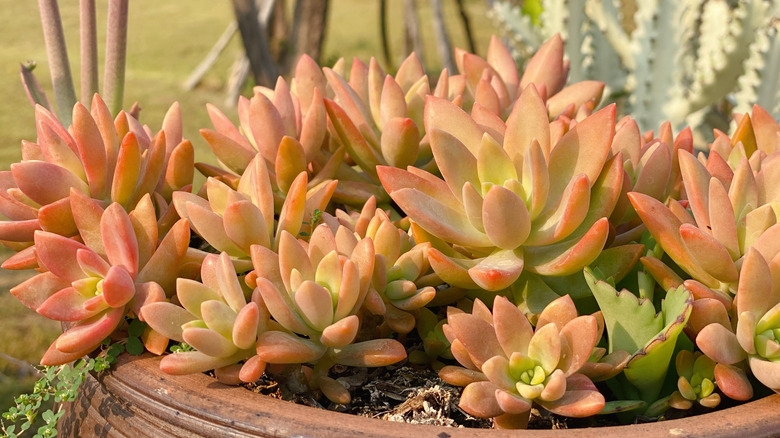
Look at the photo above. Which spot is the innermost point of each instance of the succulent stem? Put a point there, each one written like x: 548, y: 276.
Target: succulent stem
x: 57, y: 53
x: 89, y: 57
x: 116, y: 51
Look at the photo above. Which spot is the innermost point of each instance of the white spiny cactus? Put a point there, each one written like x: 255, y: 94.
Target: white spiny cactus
x: 673, y: 61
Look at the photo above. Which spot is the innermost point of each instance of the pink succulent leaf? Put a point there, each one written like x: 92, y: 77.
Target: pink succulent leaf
x: 733, y: 382
x: 583, y: 149
x: 218, y: 317
x: 292, y: 255
x: 146, y: 293
x: 90, y: 332
x: 512, y: 403
x: 512, y: 328
x: 266, y: 264
x: 350, y: 294
x: 498, y: 270
x: 55, y: 357
x: 118, y: 287
x: 505, y: 218
x: 697, y: 181
x: 44, y: 182
x: 127, y: 171
x: 445, y: 116
x: 767, y: 372
x: 357, y: 146
x: 144, y: 220
x: 724, y: 227
x: 167, y: 258
x: 56, y: 151
x: 192, y: 294
x: 489, y: 122
x: 581, y: 399
x: 292, y: 215
x: 209, y: 342
x: 664, y: 226
x: 166, y: 319
x: 229, y: 286
x: 496, y: 369
x: 24, y: 259
x: 501, y: 60
x: 453, y: 271
x: 341, y: 333
x: 191, y: 362
x: 476, y: 335
x: 36, y: 290
x: 281, y: 307
x: 546, y: 66
x: 706, y: 311
x: 91, y: 150
x: 559, y: 221
x: 373, y: 353
x: 394, y: 179
x: 459, y: 376
x: 755, y: 284
x: 67, y: 305
x: 439, y: 219
x: 479, y: 399
x: 743, y: 190
x: 314, y: 304
x: 119, y: 239
x: 58, y: 255
x: 87, y: 213
x: 20, y: 230
x: 577, y: 94
x: 252, y: 370
x: 527, y: 122
x: 559, y: 312
x: 568, y: 257
x: 581, y: 337
x: 709, y: 253
x: 280, y: 347
x: 266, y: 126
x: 290, y: 161
x: 554, y: 387
x: 746, y: 332
x: 545, y: 347
x: 656, y: 162
x: 57, y: 218
x: 720, y: 344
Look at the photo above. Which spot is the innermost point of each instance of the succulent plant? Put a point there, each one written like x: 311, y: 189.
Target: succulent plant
x: 509, y: 365
x: 751, y: 338
x: 94, y: 286
x: 108, y: 160
x: 217, y: 320
x: 523, y: 205
x: 696, y: 381
x: 313, y: 291
x: 233, y: 220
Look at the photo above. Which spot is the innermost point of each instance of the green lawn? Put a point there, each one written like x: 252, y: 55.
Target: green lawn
x: 166, y: 41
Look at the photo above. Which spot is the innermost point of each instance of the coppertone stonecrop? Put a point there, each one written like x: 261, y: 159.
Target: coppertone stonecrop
x: 350, y: 208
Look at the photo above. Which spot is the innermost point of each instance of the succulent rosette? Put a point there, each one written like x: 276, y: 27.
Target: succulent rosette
x: 110, y: 160
x: 696, y: 382
x: 93, y: 285
x: 509, y: 366
x: 215, y: 318
x: 537, y: 199
x: 751, y: 341
x: 494, y: 85
x: 313, y: 291
x: 233, y: 220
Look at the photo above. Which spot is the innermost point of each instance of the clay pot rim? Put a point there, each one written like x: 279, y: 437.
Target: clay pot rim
x: 140, y: 382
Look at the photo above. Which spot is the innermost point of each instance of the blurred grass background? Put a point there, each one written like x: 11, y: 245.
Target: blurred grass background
x: 166, y: 41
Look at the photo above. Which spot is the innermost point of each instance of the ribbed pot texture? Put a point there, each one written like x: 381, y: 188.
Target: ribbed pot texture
x: 135, y: 399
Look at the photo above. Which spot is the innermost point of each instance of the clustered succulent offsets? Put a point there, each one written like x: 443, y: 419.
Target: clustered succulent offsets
x: 561, y: 257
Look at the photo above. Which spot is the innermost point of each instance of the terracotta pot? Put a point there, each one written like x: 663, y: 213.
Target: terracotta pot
x: 137, y: 400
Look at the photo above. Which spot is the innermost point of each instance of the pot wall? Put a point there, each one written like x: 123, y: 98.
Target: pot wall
x: 137, y: 400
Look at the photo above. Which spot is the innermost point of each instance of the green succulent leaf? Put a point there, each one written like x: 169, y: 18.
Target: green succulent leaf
x: 630, y: 322
x: 633, y: 326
